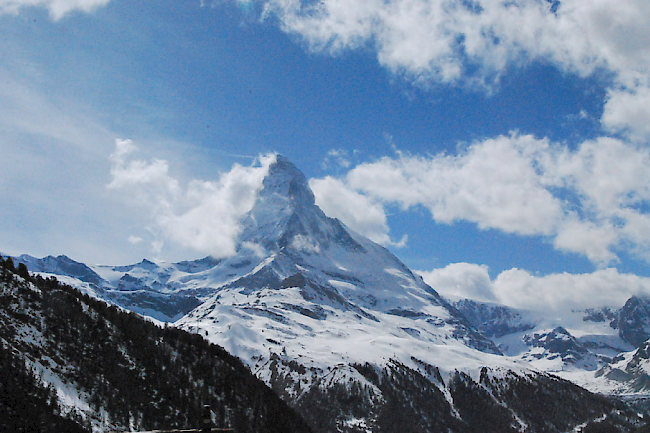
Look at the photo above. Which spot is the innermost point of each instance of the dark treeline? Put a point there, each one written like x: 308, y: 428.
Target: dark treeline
x: 138, y: 373
x: 26, y: 405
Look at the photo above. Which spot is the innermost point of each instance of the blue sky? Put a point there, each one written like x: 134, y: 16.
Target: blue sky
x: 502, y: 135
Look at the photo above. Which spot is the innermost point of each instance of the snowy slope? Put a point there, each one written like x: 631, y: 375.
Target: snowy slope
x: 312, y: 288
x: 595, y: 348
x: 110, y: 370
x: 157, y: 290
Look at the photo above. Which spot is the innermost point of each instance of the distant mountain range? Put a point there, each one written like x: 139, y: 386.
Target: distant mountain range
x: 356, y: 342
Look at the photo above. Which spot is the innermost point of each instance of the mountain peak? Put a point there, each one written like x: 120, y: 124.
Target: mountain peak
x: 286, y: 214
x: 285, y: 180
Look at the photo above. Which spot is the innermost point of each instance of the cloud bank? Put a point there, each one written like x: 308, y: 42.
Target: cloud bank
x: 464, y: 280
x: 201, y: 215
x: 593, y: 201
x: 518, y: 288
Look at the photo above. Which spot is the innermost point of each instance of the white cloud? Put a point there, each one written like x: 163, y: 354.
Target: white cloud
x: 605, y: 287
x: 152, y: 176
x: 340, y: 157
x: 135, y: 240
x: 628, y: 111
x: 589, y: 239
x: 518, y: 288
x: 57, y: 8
x: 441, y: 39
x: 610, y: 31
x: 592, y: 201
x: 609, y: 174
x: 361, y: 213
x: 493, y: 183
x: 475, y: 42
x: 202, y: 215
x: 463, y: 280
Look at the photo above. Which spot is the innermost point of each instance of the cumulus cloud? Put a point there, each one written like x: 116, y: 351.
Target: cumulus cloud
x: 493, y: 184
x: 518, y: 288
x: 475, y: 42
x: 592, y: 200
x: 202, y: 215
x: 462, y: 280
x: 610, y: 174
x: 588, y: 239
x: 443, y: 39
x: 151, y: 178
x: 57, y: 8
x: 359, y: 212
x: 425, y: 39
x: 606, y: 287
x: 627, y: 112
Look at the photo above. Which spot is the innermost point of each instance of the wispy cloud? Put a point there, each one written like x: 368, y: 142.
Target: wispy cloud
x: 53, y: 176
x: 28, y: 110
x: 201, y: 215
x: 591, y: 201
x: 57, y: 8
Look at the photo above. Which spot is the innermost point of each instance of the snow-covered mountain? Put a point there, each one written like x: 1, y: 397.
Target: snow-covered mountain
x: 602, y: 349
x: 304, y: 276
x: 346, y: 333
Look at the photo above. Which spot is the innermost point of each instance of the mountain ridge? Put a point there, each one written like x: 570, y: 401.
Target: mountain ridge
x: 328, y: 318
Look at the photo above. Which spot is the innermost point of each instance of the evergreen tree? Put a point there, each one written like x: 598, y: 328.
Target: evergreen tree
x: 23, y: 272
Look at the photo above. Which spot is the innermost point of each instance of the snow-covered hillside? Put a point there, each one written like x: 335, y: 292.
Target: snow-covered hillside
x: 322, y: 291
x: 601, y: 349
x: 71, y: 363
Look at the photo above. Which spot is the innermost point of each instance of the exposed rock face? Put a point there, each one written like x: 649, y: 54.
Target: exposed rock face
x: 631, y: 371
x: 560, y: 343
x: 633, y: 321
x: 493, y: 320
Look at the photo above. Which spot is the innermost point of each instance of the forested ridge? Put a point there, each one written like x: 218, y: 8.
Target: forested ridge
x: 130, y: 371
